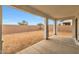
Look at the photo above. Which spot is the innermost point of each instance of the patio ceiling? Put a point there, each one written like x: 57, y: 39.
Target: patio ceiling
x: 0, y: 11
x: 52, y: 11
x: 0, y: 14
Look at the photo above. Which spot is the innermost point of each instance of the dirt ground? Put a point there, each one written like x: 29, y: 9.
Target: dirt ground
x: 16, y: 42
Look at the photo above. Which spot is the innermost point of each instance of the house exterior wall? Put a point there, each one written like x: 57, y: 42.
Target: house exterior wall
x: 66, y: 21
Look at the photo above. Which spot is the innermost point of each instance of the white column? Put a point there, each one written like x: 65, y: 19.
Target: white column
x: 0, y: 29
x: 46, y: 34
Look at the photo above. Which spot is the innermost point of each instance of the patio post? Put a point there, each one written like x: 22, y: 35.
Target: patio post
x: 75, y: 30
x: 46, y: 34
x: 78, y: 28
x: 0, y: 29
x: 55, y: 27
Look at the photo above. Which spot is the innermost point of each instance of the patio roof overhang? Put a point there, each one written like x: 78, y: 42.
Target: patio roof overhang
x: 54, y: 12
x: 0, y: 10
x: 0, y: 15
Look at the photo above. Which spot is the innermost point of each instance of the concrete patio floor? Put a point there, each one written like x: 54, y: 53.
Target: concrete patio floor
x: 55, y: 45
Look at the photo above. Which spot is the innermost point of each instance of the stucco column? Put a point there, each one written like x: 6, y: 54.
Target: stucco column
x: 0, y: 29
x: 46, y: 33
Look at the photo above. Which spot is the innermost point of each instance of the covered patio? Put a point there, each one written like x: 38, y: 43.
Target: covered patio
x: 55, y: 43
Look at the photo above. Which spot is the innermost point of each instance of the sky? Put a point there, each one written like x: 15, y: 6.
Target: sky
x: 12, y: 16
